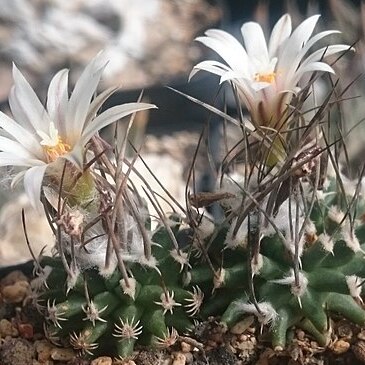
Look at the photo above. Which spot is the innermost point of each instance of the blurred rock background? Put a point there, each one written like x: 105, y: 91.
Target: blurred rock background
x: 149, y: 44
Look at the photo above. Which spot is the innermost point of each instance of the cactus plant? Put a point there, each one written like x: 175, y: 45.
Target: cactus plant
x: 295, y: 267
x: 106, y: 313
x: 290, y: 248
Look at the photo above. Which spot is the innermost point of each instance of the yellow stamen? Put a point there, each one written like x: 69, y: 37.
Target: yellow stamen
x: 56, y: 151
x: 269, y: 77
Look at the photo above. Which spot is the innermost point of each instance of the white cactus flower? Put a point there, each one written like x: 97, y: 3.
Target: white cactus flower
x: 267, y: 74
x: 38, y: 137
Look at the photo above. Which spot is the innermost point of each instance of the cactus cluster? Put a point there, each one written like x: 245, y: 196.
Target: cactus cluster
x: 289, y: 248
x: 108, y: 313
x: 289, y: 276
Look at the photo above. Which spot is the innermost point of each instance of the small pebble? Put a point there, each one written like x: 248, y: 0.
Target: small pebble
x: 211, y: 343
x: 216, y: 337
x: 13, y: 278
x: 361, y: 335
x: 359, y: 350
x: 48, y: 362
x: 179, y: 359
x: 43, y: 350
x: 345, y: 332
x: 300, y: 335
x: 15, y: 293
x: 61, y: 354
x: 340, y: 347
x: 244, y: 346
x: 16, y: 351
x: 104, y: 360
x: 243, y: 338
x: 124, y: 362
x: 26, y: 330
x: 242, y: 326
x: 7, y: 329
x: 189, y: 357
x: 186, y: 347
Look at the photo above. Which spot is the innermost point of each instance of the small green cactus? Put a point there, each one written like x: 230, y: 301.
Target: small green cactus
x: 107, y: 314
x: 294, y: 268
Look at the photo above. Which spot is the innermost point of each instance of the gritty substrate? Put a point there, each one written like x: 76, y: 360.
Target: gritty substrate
x: 23, y: 342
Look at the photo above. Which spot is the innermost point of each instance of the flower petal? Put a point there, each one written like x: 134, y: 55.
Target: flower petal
x: 18, y: 113
x: 312, y: 67
x: 76, y: 156
x: 32, y: 185
x: 228, y: 48
x: 279, y: 34
x: 111, y: 115
x: 22, y: 135
x: 255, y: 43
x: 9, y: 159
x: 14, y: 147
x: 57, y: 99
x: 325, y: 52
x: 295, y: 63
x: 29, y: 102
x: 296, y: 42
x: 214, y: 67
x: 17, y: 178
x: 99, y: 101
x: 80, y: 99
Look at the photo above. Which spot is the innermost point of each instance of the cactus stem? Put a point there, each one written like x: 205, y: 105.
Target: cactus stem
x: 93, y: 313
x: 51, y: 335
x: 169, y: 339
x: 128, y: 329
x: 79, y: 342
x: 167, y: 302
x: 181, y: 258
x: 54, y: 315
x: 195, y: 302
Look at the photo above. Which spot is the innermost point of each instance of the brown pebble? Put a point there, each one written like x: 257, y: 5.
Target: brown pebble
x: 242, y: 326
x: 179, y: 359
x: 43, y: 350
x: 103, y: 360
x: 15, y: 293
x: 211, y: 343
x: 16, y: 351
x: 26, y: 330
x: 232, y: 348
x: 243, y: 338
x: 300, y: 335
x: 340, y: 347
x: 123, y: 362
x: 186, y: 347
x: 359, y: 350
x: 245, y: 346
x: 60, y: 354
x: 13, y: 278
x: 361, y: 335
x: 251, y: 330
x: 8, y: 329
x: 345, y: 332
x: 48, y: 362
x: 216, y: 337
x: 253, y: 340
x: 189, y: 357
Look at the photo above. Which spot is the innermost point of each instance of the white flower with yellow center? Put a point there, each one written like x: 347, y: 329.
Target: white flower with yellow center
x: 267, y: 75
x: 38, y: 137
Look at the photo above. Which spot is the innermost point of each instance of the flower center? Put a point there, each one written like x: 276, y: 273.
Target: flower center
x: 265, y: 77
x: 54, y: 152
x: 52, y: 144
